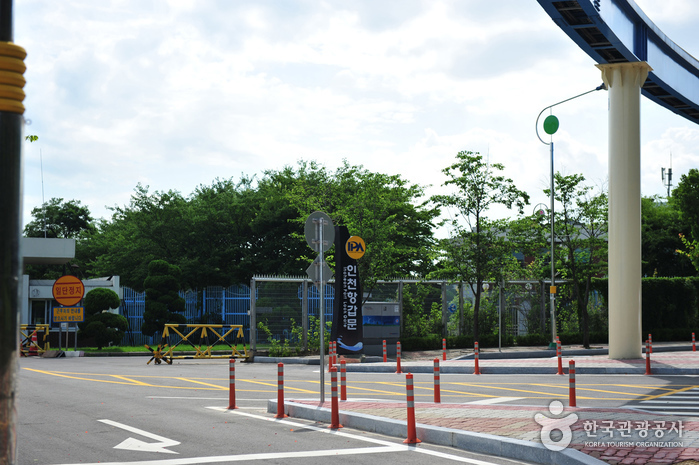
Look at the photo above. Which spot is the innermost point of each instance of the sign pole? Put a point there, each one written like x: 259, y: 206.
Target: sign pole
x: 319, y: 234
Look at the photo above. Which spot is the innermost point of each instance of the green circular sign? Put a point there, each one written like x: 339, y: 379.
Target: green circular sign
x: 551, y: 125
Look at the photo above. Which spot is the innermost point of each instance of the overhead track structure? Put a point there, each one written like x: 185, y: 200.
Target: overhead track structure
x: 618, y: 31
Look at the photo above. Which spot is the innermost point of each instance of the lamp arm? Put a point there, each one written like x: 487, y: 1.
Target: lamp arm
x: 600, y: 87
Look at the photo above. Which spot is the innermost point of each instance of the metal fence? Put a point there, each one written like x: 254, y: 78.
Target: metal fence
x: 288, y: 307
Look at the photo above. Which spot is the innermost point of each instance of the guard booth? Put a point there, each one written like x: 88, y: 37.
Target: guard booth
x: 381, y: 322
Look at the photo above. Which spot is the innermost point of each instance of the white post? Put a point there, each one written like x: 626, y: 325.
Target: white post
x: 624, y: 81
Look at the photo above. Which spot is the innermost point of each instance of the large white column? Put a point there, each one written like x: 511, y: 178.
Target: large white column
x: 624, y: 81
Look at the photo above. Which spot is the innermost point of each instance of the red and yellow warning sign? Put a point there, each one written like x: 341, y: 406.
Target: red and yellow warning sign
x: 68, y: 290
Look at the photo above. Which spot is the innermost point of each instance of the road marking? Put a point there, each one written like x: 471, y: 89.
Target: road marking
x: 137, y: 444
x: 495, y: 400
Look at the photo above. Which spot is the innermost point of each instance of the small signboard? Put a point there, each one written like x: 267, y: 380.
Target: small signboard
x: 68, y: 314
x: 68, y: 290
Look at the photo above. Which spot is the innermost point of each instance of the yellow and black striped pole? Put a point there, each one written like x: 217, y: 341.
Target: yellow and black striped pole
x: 11, y: 124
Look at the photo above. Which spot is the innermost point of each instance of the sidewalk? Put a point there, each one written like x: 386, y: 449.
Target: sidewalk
x: 598, y: 435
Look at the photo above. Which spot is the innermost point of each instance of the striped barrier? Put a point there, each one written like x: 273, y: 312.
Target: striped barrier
x: 410, y: 398
x: 331, y: 362
x: 437, y: 393
x: 385, y: 358
x: 476, y: 354
x: 398, y: 369
x: 343, y: 379
x: 694, y: 344
x: 650, y: 342
x: 280, y: 392
x: 648, y: 352
x: 559, y: 356
x: 231, y: 391
x: 571, y: 389
x: 334, y: 408
x: 444, y: 349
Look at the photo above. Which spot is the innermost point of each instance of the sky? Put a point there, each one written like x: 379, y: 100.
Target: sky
x: 173, y: 94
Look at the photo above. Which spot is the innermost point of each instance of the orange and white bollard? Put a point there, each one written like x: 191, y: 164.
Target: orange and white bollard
x: 559, y: 356
x: 650, y: 342
x: 648, y: 352
x: 330, y: 356
x: 343, y: 379
x: 694, y: 344
x: 334, y: 353
x: 231, y: 391
x: 280, y: 392
x: 334, y: 407
x: 410, y: 398
x: 437, y: 393
x: 385, y: 358
x: 476, y: 355
x: 34, y: 344
x: 571, y: 389
x: 398, y: 370
x: 444, y: 349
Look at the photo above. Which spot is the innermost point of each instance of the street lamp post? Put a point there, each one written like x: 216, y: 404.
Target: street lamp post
x: 550, y: 127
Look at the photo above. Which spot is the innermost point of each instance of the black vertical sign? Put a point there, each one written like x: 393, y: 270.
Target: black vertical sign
x: 347, y: 327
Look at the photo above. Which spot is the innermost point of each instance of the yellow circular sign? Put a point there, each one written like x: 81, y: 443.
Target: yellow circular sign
x: 355, y: 247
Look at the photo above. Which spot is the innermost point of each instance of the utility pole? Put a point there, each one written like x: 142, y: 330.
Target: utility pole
x: 11, y: 125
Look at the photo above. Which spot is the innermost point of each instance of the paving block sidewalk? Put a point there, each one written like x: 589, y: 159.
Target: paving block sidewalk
x: 612, y: 435
x: 615, y: 436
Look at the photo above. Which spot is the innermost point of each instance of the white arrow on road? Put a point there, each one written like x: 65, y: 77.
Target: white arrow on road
x: 137, y: 444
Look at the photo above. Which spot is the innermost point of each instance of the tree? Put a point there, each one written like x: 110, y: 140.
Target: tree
x: 382, y: 209
x: 477, y: 248
x: 57, y: 218
x: 686, y: 197
x: 661, y: 226
x: 581, y: 230
x: 106, y: 328
x: 163, y: 303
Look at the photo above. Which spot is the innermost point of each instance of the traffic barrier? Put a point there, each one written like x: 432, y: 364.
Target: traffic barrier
x: 330, y: 356
x: 384, y: 351
x: 559, y: 356
x: 694, y: 344
x: 280, y: 392
x: 648, y: 357
x: 410, y: 398
x: 398, y: 370
x: 231, y: 391
x: 343, y: 379
x: 334, y: 408
x: 476, y: 354
x: 444, y: 349
x: 31, y: 344
x: 437, y: 393
x: 571, y: 389
x: 208, y: 337
x: 334, y: 353
x: 650, y: 342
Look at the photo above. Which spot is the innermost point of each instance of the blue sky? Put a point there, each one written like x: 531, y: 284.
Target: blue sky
x: 173, y: 94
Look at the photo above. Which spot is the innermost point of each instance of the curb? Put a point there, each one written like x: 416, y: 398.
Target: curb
x: 515, y: 370
x: 499, y: 446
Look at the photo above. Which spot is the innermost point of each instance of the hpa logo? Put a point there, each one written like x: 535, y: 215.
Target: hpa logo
x: 355, y: 247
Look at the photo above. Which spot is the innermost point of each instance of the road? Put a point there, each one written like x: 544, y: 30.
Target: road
x: 120, y: 410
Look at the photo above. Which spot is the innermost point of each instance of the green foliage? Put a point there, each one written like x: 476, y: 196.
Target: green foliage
x: 661, y: 226
x: 104, y: 327
x: 281, y: 347
x: 691, y: 251
x: 686, y: 197
x: 477, y: 250
x: 163, y: 303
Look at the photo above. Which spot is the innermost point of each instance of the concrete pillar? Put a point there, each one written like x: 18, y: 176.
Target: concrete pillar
x: 624, y: 81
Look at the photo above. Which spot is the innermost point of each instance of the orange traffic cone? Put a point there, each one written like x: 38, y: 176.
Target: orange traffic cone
x: 34, y: 345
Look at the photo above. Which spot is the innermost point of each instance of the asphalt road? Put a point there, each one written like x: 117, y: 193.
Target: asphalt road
x: 120, y: 410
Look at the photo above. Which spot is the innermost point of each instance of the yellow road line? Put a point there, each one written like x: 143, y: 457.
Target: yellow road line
x: 204, y: 384
x: 670, y: 392
x: 276, y: 386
